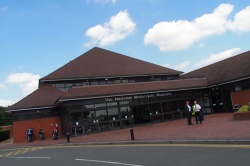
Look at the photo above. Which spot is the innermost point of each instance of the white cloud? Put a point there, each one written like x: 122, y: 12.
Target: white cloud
x: 166, y: 65
x: 182, y: 65
x: 5, y: 103
x: 28, y: 82
x: 3, y: 9
x: 217, y: 57
x: 29, y: 87
x: 182, y: 34
x: 118, y: 27
x: 2, y: 86
x: 241, y: 22
x: 21, y: 77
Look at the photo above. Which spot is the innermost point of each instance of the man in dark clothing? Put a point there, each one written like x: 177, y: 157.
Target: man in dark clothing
x: 188, y: 110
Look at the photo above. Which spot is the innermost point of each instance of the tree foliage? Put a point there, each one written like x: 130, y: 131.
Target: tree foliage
x: 5, y: 118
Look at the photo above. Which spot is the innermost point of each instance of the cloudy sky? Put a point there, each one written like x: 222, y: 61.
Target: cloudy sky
x: 37, y: 37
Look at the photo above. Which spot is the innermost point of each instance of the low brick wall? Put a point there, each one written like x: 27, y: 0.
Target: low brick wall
x: 20, y: 128
x: 241, y: 115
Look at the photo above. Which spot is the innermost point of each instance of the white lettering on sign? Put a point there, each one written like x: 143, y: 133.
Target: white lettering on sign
x: 146, y: 96
x: 123, y: 98
x: 108, y: 99
x: 163, y: 94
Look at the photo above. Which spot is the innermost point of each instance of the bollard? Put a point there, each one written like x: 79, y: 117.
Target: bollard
x: 132, y: 133
x: 68, y: 138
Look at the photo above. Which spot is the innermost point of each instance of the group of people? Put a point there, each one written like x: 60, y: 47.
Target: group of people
x: 194, y: 110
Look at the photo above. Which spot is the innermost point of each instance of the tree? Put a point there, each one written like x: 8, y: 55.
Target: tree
x: 5, y: 118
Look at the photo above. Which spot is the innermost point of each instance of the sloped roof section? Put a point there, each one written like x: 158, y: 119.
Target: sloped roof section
x: 133, y: 88
x: 48, y: 96
x: 45, y: 96
x: 231, y: 69
x: 99, y: 62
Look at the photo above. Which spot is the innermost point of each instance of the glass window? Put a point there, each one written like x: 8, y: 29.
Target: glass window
x: 76, y: 118
x: 89, y: 116
x: 110, y: 82
x: 112, y: 104
x: 89, y: 106
x: 77, y: 84
x: 117, y: 81
x: 126, y: 112
x: 62, y: 89
x: 101, y: 115
x: 102, y: 82
x: 131, y: 81
x: 69, y: 85
x: 60, y: 85
x: 85, y: 83
x: 113, y: 113
x: 100, y: 105
x: 94, y: 83
x: 124, y: 81
x: 123, y: 102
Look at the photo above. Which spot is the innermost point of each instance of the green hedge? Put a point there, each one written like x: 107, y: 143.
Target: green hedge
x: 244, y: 108
x: 4, y: 134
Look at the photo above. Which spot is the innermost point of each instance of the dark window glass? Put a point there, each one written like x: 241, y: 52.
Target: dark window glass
x: 123, y: 102
x: 94, y: 83
x: 85, y: 83
x: 100, y: 105
x: 124, y: 81
x: 77, y: 84
x: 112, y: 104
x: 110, y: 82
x: 117, y: 81
x: 113, y: 113
x: 102, y: 82
x: 89, y: 106
x: 60, y: 85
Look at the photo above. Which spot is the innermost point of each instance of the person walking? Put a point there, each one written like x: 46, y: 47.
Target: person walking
x: 197, y: 109
x: 188, y: 111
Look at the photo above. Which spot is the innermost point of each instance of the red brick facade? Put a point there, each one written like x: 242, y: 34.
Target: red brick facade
x: 20, y: 127
x: 241, y: 97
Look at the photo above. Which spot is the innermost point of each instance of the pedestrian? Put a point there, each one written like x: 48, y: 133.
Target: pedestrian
x: 188, y: 111
x: 197, y: 109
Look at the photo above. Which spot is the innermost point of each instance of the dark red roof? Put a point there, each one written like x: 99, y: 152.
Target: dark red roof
x: 99, y: 62
x: 132, y: 88
x: 42, y: 97
x: 231, y: 69
x: 48, y: 95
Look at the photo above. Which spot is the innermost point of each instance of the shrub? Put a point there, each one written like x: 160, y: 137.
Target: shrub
x: 244, y: 108
x: 4, y: 134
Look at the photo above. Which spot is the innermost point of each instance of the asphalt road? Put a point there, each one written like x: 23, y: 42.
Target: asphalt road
x: 129, y: 155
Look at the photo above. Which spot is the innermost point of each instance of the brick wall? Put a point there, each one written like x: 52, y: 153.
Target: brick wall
x: 241, y: 97
x: 20, y: 127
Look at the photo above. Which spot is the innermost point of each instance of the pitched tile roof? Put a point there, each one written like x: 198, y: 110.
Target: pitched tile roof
x: 42, y: 97
x: 47, y: 95
x: 99, y: 62
x: 133, y: 88
x: 231, y: 69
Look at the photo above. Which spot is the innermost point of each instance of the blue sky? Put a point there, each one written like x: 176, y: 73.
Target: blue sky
x: 37, y: 37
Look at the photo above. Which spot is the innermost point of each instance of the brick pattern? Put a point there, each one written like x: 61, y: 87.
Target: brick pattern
x: 20, y: 127
x: 241, y: 97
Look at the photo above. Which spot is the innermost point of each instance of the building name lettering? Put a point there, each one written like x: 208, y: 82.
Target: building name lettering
x: 146, y: 96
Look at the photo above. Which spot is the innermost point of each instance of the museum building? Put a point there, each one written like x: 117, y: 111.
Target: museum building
x: 102, y: 90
